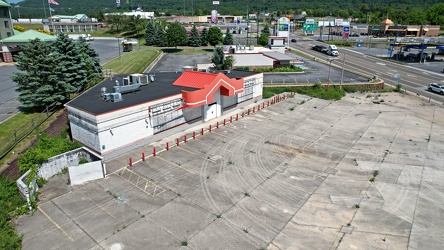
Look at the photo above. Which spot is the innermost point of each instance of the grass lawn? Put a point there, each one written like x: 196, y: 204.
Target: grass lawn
x: 8, y: 127
x: 132, y: 62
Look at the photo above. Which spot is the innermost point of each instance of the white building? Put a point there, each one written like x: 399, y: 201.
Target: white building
x: 111, y: 122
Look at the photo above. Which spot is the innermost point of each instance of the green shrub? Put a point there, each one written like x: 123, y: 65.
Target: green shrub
x: 350, y: 89
x: 330, y: 93
x: 46, y: 148
x: 83, y: 160
x: 10, y: 200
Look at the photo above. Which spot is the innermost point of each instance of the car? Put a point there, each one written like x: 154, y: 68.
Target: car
x: 293, y: 40
x: 436, y: 87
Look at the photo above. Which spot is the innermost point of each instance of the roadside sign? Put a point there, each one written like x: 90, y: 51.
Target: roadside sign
x: 309, y: 27
x: 346, y: 30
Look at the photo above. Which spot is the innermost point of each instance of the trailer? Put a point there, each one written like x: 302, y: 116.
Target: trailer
x: 76, y: 37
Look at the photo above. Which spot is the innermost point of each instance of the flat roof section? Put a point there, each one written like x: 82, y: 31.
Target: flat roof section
x: 92, y: 102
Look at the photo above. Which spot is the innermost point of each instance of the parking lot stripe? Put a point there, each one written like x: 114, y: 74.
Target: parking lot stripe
x: 176, y: 165
x: 57, y: 225
x: 104, y: 210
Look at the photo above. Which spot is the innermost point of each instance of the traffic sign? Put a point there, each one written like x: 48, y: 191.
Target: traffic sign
x: 309, y: 27
x: 346, y: 30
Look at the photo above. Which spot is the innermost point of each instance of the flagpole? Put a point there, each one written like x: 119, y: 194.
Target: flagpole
x: 44, y: 9
x: 50, y: 14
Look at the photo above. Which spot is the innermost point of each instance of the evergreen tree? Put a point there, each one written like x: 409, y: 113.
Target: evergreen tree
x: 91, y: 59
x: 263, y: 39
x: 159, y: 36
x: 150, y: 34
x: 218, y: 57
x: 203, y: 37
x: 265, y: 30
x: 40, y: 82
x: 175, y: 35
x: 73, y: 65
x: 194, y: 39
x: 228, y: 39
x: 214, y: 36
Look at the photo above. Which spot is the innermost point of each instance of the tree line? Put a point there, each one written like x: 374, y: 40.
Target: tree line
x: 399, y: 11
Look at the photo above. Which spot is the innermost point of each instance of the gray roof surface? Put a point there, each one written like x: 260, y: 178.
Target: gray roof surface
x: 278, y: 56
x: 162, y: 87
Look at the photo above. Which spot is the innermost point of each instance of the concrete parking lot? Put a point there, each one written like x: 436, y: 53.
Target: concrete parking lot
x: 302, y: 173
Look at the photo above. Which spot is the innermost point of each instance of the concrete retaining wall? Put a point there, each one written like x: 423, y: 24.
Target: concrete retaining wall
x: 86, y: 172
x: 55, y: 164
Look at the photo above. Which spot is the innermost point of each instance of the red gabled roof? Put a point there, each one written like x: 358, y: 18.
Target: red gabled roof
x: 194, y: 79
x: 208, y: 84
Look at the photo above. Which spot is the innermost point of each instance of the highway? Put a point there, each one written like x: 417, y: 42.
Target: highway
x: 413, y: 77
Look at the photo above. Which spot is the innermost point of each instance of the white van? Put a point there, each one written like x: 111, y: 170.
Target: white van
x: 332, y: 50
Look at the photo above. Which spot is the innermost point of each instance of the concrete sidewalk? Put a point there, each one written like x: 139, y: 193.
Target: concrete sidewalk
x: 303, y: 173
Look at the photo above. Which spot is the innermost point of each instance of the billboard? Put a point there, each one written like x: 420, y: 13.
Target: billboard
x: 214, y: 16
x: 117, y: 3
x: 215, y: 2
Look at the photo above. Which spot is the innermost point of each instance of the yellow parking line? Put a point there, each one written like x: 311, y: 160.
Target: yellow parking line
x: 104, y: 210
x: 57, y: 225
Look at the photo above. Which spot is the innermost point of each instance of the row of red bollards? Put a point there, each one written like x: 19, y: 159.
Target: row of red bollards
x: 275, y: 99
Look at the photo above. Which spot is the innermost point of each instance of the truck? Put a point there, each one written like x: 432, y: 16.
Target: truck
x: 332, y: 50
x: 76, y: 37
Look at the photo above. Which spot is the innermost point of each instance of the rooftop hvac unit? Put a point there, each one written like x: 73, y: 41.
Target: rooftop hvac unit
x: 115, y: 97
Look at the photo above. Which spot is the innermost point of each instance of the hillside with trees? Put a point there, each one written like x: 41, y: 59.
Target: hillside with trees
x: 400, y: 11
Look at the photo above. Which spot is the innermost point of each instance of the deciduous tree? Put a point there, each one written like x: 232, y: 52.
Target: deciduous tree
x: 214, y: 36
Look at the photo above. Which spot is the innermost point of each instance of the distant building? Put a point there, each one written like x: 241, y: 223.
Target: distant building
x: 76, y: 23
x: 6, y: 26
x: 137, y: 12
x: 388, y: 28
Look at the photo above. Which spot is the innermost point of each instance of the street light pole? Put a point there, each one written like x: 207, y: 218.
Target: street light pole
x: 342, y: 74
x: 329, y: 69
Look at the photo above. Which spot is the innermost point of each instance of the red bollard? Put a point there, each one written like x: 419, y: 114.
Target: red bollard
x: 217, y: 124
x: 154, y: 152
x: 254, y: 109
x: 185, y: 138
x: 237, y: 117
x: 194, y: 135
x: 248, y: 111
x: 225, y: 122
x: 210, y: 127
x: 202, y: 131
x: 131, y: 162
x: 167, y: 146
x: 231, y: 119
x: 143, y: 156
x: 258, y: 107
x: 268, y: 104
x: 177, y: 142
x: 263, y: 105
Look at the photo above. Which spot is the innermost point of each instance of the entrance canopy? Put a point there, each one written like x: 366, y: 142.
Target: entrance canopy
x: 27, y: 36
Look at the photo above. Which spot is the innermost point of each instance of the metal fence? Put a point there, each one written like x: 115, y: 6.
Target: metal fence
x: 7, y: 144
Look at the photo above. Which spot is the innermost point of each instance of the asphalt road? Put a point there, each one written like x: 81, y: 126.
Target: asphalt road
x: 107, y: 48
x: 414, y: 77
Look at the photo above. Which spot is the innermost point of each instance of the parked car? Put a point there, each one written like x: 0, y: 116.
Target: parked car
x: 293, y: 40
x: 436, y: 87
